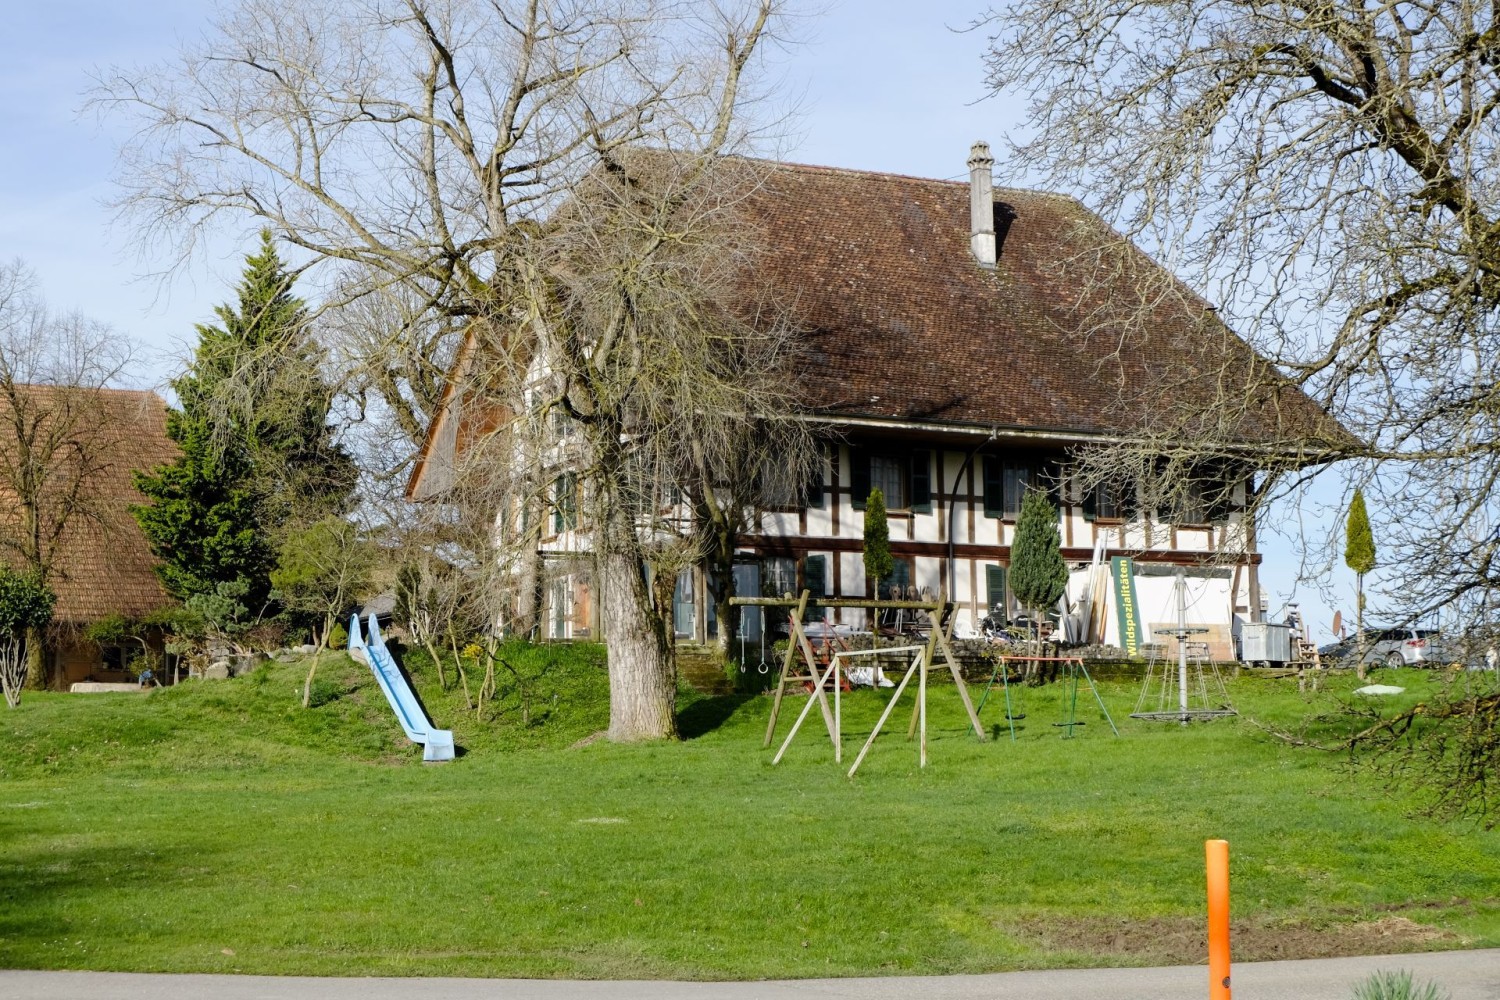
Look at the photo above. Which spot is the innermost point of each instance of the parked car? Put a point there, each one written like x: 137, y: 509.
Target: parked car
x: 1392, y: 647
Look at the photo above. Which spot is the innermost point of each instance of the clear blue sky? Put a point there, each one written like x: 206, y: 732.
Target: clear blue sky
x: 881, y: 85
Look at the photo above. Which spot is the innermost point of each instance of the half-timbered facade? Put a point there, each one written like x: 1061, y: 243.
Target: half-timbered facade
x: 964, y: 342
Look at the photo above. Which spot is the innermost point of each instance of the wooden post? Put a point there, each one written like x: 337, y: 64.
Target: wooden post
x: 817, y: 691
x: 922, y: 708
x: 1217, y: 852
x: 883, y: 716
x: 944, y: 638
x: 791, y: 734
x: 786, y: 665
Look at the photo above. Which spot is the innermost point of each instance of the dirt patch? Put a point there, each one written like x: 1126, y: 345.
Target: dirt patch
x: 1184, y: 940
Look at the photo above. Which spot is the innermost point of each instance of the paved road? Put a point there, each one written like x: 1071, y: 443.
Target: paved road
x: 1467, y: 975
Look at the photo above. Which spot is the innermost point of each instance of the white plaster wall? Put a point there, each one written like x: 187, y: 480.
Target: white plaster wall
x: 1208, y: 601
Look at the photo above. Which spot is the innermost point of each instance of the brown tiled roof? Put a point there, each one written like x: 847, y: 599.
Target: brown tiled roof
x: 1074, y: 334
x: 104, y: 565
x: 1075, y: 331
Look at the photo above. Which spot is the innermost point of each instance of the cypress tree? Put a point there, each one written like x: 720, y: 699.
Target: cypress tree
x: 258, y: 455
x: 878, y: 559
x: 1359, y: 555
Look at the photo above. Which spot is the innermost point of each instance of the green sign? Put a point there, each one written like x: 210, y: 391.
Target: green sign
x: 1127, y: 608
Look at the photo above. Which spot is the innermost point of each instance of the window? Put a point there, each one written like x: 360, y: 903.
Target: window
x: 904, y: 478
x: 778, y: 577
x: 888, y: 475
x: 564, y: 503
x: 776, y: 494
x: 560, y: 609
x: 1006, y: 483
x: 1109, y: 501
x: 1205, y: 498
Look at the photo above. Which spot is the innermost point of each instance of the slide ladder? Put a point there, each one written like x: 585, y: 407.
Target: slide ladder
x: 437, y: 744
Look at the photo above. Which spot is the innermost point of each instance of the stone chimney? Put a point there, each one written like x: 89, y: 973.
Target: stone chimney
x: 981, y: 204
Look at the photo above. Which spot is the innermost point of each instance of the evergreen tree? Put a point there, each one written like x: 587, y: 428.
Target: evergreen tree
x: 878, y: 559
x: 258, y: 456
x: 1359, y: 555
x: 1038, y: 575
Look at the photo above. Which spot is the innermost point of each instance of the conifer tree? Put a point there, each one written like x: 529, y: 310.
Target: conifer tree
x: 1359, y: 555
x: 1038, y: 575
x: 258, y: 454
x: 878, y: 560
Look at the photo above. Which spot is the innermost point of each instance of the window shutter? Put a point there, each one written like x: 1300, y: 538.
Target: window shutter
x: 921, y: 482
x: 557, y: 505
x: 1090, y: 500
x: 859, y: 477
x: 994, y: 487
x: 815, y: 575
x: 812, y: 496
x: 814, y: 581
x: 994, y: 585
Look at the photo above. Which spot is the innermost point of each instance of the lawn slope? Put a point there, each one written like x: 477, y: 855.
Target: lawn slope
x: 219, y: 827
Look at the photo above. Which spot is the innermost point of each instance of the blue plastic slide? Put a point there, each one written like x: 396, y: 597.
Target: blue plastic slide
x: 437, y: 744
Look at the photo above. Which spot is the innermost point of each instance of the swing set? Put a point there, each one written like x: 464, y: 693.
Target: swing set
x: 802, y: 665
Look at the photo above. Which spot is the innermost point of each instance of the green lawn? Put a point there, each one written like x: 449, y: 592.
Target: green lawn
x: 219, y: 827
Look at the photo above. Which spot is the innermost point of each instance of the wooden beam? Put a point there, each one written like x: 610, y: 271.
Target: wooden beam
x: 836, y: 602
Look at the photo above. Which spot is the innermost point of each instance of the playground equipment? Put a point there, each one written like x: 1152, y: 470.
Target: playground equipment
x: 819, y: 678
x: 437, y: 744
x: 1163, y: 685
x: 1073, y: 668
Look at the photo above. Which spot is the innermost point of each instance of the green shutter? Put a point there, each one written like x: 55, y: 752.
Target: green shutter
x: 994, y: 585
x: 921, y: 482
x: 859, y: 477
x: 557, y: 505
x: 994, y: 487
x: 815, y: 582
x: 815, y: 575
x: 813, y: 494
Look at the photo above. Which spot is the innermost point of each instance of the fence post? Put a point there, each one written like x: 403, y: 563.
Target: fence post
x: 1217, y: 852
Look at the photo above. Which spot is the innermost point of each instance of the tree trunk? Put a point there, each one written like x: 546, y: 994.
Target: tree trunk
x: 36, y: 661
x: 728, y: 616
x: 528, y: 592
x: 642, y: 672
x: 1361, y: 669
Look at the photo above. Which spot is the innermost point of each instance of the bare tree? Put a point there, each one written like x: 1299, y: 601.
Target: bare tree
x: 427, y: 146
x: 321, y: 570
x: 1324, y: 172
x: 58, y: 435
x: 1321, y: 172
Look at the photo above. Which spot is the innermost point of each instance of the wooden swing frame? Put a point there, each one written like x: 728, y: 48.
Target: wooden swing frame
x: 939, y: 639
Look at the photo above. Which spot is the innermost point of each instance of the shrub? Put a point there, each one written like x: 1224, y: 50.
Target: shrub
x: 1397, y: 985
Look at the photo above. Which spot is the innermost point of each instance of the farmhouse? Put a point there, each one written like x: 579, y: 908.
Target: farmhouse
x: 964, y: 343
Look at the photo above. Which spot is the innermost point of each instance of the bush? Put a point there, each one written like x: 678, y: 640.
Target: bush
x: 1397, y: 985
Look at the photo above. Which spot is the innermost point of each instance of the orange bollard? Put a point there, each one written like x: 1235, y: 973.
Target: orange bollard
x: 1218, y: 919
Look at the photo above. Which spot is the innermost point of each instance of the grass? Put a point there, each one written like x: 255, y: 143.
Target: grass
x: 219, y: 827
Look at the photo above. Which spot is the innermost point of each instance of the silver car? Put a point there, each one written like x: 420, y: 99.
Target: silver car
x: 1393, y: 647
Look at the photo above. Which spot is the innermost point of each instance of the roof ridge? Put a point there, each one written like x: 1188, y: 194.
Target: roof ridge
x: 885, y: 175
